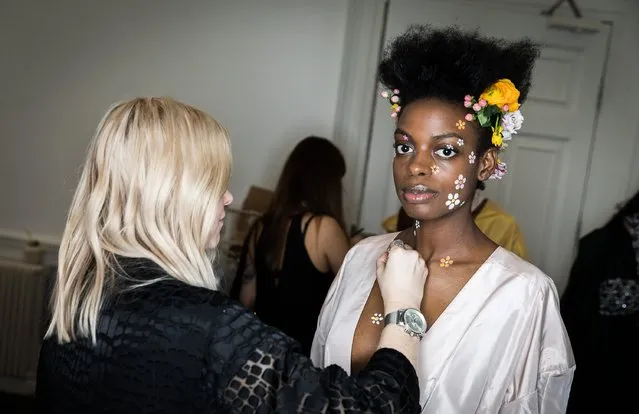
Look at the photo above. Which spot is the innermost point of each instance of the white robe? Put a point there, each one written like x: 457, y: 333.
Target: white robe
x: 499, y: 347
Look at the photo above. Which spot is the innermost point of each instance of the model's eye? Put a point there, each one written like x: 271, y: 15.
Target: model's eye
x: 447, y: 152
x: 401, y: 148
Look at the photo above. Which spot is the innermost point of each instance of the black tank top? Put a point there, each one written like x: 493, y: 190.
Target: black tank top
x: 291, y: 298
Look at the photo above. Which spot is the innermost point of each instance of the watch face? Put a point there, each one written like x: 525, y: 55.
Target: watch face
x: 415, y: 321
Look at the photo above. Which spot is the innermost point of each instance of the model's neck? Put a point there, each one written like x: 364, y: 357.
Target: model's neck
x: 446, y: 235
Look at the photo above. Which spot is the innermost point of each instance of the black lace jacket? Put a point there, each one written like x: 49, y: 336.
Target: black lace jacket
x: 173, y: 348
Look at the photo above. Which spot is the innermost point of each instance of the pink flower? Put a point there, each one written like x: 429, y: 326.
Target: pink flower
x: 483, y: 102
x: 476, y: 107
x: 394, y: 115
x: 468, y: 104
x: 505, y: 108
x: 469, y: 117
x: 394, y: 99
x: 396, y: 91
x: 499, y: 171
x: 468, y: 98
x: 385, y: 94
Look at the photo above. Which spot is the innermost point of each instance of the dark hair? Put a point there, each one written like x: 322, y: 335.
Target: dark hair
x: 311, y: 181
x: 630, y: 207
x: 403, y: 220
x: 451, y: 63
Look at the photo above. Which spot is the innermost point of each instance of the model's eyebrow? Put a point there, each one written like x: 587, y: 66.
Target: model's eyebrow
x: 447, y: 135
x: 399, y: 131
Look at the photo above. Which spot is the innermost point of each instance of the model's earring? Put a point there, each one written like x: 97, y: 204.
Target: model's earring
x: 416, y: 227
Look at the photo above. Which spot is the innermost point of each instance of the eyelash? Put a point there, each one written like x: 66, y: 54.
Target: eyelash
x: 453, y: 152
x: 396, y: 146
x: 450, y: 148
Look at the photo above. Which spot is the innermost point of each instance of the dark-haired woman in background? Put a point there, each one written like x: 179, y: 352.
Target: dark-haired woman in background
x: 496, y: 342
x: 292, y: 254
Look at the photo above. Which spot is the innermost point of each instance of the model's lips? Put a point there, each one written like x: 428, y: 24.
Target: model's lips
x: 418, y: 193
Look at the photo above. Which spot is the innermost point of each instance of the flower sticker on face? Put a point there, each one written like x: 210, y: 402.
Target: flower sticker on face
x: 460, y: 142
x: 434, y: 169
x: 459, y: 182
x: 453, y: 200
x: 472, y: 157
x: 461, y: 125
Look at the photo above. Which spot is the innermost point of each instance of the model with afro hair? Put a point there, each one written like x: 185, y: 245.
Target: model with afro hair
x: 449, y: 64
x: 496, y: 341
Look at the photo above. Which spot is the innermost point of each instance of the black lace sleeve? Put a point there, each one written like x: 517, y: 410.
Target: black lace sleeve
x: 260, y: 370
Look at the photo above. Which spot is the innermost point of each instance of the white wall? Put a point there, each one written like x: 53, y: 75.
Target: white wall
x: 614, y: 168
x: 267, y: 69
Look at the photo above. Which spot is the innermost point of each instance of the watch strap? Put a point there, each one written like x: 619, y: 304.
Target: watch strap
x: 396, y: 317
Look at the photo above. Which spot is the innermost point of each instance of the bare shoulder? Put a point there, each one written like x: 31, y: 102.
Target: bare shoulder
x: 327, y: 225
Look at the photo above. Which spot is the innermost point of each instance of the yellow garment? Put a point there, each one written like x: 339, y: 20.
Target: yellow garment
x: 495, y: 223
x: 390, y: 224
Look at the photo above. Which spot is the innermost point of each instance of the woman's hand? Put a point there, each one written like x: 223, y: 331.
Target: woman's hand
x: 401, y: 274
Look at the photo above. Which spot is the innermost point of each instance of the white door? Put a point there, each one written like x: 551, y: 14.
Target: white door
x: 548, y: 159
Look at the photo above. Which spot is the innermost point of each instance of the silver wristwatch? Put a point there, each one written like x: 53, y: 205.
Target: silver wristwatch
x: 410, y: 319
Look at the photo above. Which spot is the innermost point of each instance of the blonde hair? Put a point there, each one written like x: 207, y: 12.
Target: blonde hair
x: 150, y: 188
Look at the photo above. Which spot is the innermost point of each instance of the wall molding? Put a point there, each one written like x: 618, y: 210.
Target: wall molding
x: 12, y: 243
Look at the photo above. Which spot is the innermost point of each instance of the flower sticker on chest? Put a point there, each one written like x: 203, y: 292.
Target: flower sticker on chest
x: 377, y: 318
x: 459, y: 182
x: 446, y: 261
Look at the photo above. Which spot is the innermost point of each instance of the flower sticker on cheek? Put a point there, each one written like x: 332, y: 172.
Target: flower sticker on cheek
x: 459, y: 182
x: 453, y: 201
x: 472, y: 157
x: 460, y: 142
x: 434, y: 169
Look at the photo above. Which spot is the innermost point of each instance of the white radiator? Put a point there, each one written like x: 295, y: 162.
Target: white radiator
x: 22, y: 313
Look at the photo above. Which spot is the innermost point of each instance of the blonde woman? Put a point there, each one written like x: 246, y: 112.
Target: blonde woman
x: 138, y: 325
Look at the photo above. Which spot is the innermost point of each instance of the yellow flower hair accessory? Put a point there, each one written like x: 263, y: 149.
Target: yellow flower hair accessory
x: 497, y: 108
x: 502, y: 94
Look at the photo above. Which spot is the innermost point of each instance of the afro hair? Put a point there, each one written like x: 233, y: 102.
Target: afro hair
x: 450, y: 63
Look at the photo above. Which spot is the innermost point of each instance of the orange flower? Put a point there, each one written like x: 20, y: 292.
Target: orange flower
x: 502, y: 92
